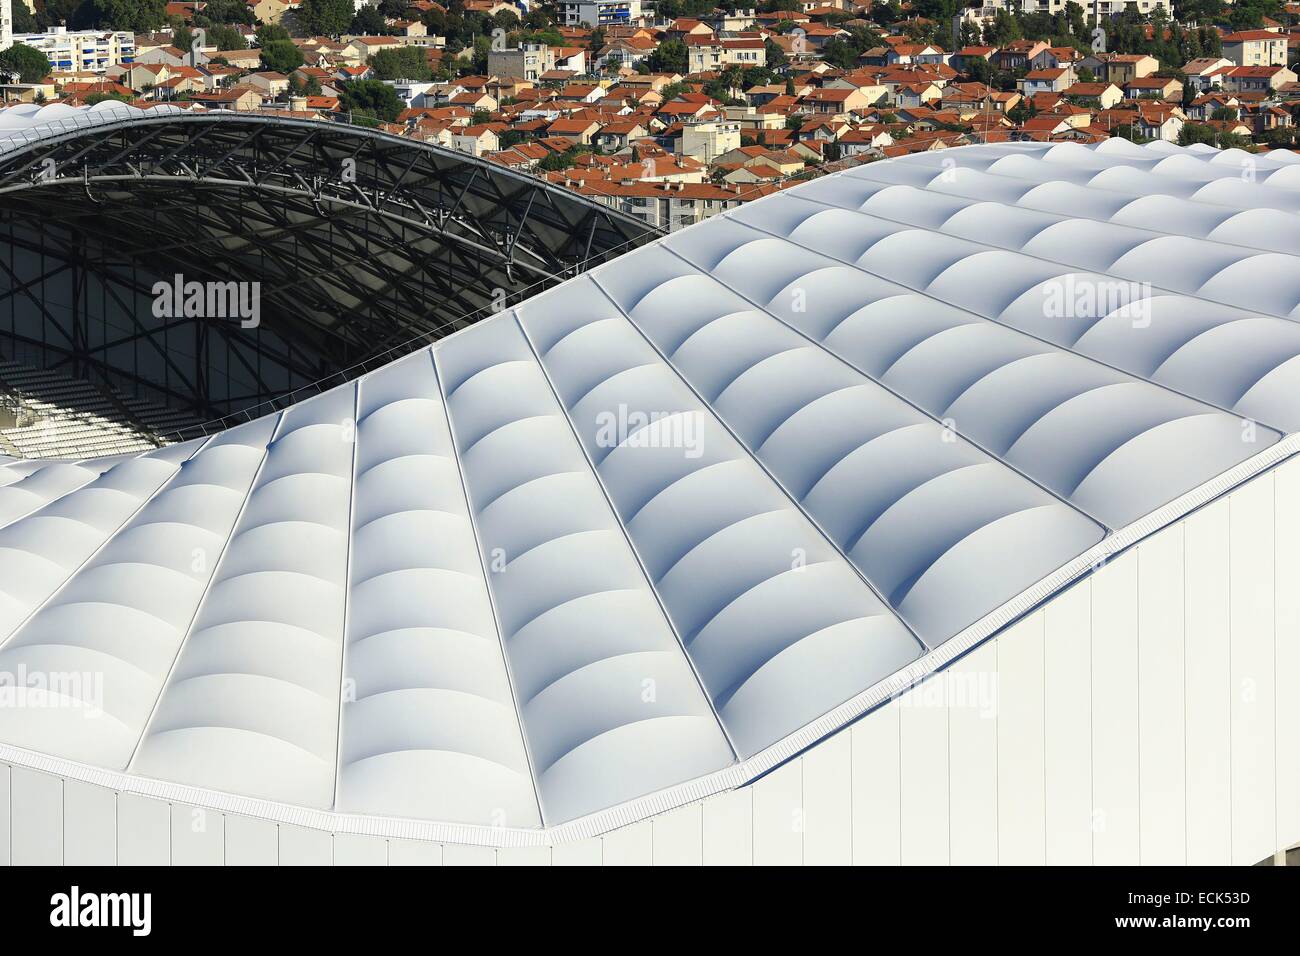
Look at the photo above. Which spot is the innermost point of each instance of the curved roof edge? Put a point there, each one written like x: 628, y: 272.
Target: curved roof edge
x: 730, y: 778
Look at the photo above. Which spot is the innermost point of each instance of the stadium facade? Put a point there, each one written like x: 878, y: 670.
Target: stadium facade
x: 940, y: 510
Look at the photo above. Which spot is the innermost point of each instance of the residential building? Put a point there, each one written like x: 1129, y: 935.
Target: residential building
x: 1257, y: 79
x: 529, y: 61
x: 837, y: 102
x: 268, y: 11
x: 1206, y: 73
x: 707, y: 141
x: 597, y: 13
x: 1099, y: 95
x: 475, y: 140
x: 1106, y: 8
x: 94, y: 50
x: 1047, y: 81
x: 1256, y: 48
x: 703, y: 54
x: 1158, y: 87
x: 1119, y: 68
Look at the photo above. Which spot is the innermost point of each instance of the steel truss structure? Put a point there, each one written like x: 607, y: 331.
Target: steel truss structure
x: 361, y: 242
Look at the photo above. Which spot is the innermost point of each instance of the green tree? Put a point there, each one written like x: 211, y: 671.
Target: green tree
x: 671, y: 91
x: 225, y: 37
x: 29, y: 65
x: 325, y: 17
x: 839, y: 53
x: 1192, y: 133
x: 371, y: 98
x: 142, y: 16
x: 24, y: 19
x: 61, y: 11
x: 406, y: 63
x: 776, y: 57
x: 281, y: 56
x: 224, y: 11
x: 270, y: 32
x: 369, y: 22
x: 671, y: 57
x: 557, y: 161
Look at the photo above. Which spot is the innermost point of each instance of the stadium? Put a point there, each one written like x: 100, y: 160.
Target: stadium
x: 940, y: 510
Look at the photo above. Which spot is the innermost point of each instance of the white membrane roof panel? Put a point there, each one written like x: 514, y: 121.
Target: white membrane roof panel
x: 429, y: 727
x: 611, y: 709
x: 252, y: 703
x: 647, y: 534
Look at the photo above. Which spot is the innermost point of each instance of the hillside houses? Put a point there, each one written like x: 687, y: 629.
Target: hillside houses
x: 682, y: 118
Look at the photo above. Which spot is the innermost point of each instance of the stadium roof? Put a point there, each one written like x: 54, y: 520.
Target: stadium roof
x: 361, y: 241
x: 661, y: 527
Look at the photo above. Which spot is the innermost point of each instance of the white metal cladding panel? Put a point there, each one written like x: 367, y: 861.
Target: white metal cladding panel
x: 118, y: 623
x: 582, y: 853
x: 429, y: 727
x: 198, y: 836
x: 1067, y: 726
x: 1287, y: 542
x: 629, y: 846
x: 877, y: 789
x: 6, y: 816
x: 300, y: 846
x: 778, y: 626
x: 1021, y: 771
x: 1162, y: 704
x: 36, y: 807
x: 90, y: 830
x: 410, y: 853
x: 251, y: 842
x: 469, y: 856
x: 1114, y: 712
x: 974, y: 706
x: 828, y: 802
x: 892, y: 487
x: 728, y: 829
x: 143, y: 831
x: 926, y: 796
x: 252, y: 703
x: 678, y: 837
x: 350, y: 849
x: 1209, y: 684
x: 610, y: 707
x: 1253, y: 651
x: 524, y: 856
x: 779, y: 816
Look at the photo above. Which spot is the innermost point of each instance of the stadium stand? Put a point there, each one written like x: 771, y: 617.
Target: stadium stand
x: 54, y: 416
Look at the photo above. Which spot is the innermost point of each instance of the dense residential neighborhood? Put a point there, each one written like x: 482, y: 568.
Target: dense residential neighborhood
x: 678, y: 110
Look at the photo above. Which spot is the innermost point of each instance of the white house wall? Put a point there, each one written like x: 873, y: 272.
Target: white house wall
x: 1136, y: 718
